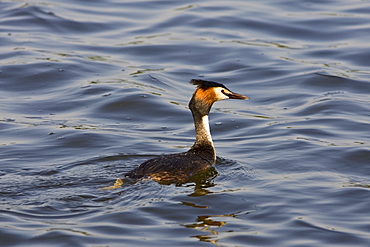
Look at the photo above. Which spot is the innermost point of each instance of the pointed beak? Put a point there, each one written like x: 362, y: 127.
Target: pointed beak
x: 236, y: 96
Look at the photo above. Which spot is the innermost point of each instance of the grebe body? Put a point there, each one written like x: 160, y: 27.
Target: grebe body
x: 180, y: 167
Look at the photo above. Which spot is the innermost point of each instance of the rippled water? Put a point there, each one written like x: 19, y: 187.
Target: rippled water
x: 89, y: 90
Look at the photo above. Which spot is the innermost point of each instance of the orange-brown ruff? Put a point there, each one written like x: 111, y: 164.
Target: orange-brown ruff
x: 180, y: 167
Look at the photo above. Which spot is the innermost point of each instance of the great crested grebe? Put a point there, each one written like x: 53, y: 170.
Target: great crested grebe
x: 180, y: 167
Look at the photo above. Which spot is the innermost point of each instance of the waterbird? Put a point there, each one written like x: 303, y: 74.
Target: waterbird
x: 180, y: 167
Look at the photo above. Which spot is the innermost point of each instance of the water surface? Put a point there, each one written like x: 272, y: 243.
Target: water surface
x: 89, y: 90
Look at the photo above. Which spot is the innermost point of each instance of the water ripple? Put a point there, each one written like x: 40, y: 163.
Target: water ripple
x: 89, y: 90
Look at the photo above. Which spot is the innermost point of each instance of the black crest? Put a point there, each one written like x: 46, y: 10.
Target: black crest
x: 206, y: 84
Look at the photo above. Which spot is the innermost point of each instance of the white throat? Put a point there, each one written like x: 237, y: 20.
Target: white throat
x: 203, y: 130
x: 205, y: 122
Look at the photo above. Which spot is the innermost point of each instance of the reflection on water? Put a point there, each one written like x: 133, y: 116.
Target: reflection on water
x: 211, y: 226
x: 89, y: 92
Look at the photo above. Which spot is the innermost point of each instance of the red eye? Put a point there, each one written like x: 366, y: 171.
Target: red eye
x: 227, y: 94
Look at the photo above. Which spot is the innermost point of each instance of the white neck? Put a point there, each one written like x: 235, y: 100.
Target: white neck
x: 202, y: 131
x: 205, y: 123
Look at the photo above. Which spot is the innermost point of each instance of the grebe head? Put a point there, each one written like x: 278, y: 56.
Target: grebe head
x: 209, y: 92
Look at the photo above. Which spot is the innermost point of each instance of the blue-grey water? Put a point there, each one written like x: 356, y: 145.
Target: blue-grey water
x: 90, y: 89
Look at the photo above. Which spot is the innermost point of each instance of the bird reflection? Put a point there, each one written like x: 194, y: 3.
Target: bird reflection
x: 205, y: 223
x: 211, y: 224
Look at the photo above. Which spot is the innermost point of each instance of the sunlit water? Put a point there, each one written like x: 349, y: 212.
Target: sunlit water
x: 90, y: 89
